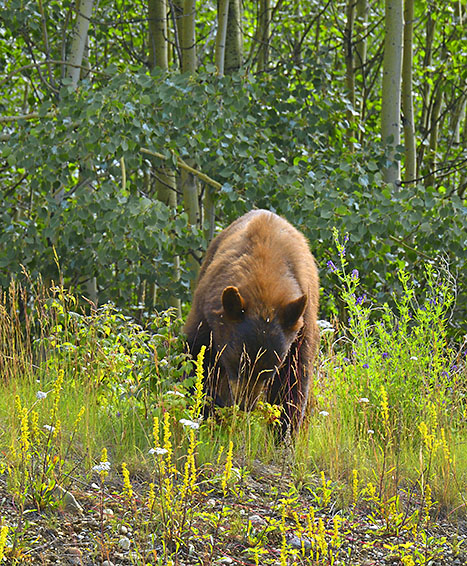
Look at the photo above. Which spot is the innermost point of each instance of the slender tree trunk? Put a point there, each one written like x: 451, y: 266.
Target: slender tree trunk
x: 432, y: 158
x: 426, y: 86
x: 188, y: 183
x: 157, y: 23
x: 361, y: 42
x: 361, y: 8
x: 78, y: 44
x: 166, y: 185
x: 234, y: 38
x: 158, y: 57
x: 456, y: 120
x: 222, y: 20
x: 209, y: 213
x: 350, y: 70
x: 264, y: 25
x: 407, y: 99
x: 391, y: 92
x: 75, y: 63
x: 188, y: 38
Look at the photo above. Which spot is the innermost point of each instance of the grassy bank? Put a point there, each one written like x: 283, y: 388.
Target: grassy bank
x: 94, y: 408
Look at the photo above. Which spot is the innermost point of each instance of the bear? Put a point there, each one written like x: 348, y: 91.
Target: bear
x: 255, y: 308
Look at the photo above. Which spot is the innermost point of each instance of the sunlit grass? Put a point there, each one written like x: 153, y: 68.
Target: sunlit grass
x: 386, y: 425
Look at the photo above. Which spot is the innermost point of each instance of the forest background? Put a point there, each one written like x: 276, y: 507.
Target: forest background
x: 334, y: 114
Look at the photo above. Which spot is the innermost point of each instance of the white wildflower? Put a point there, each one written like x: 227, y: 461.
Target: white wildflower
x: 176, y: 393
x: 414, y: 358
x: 363, y: 400
x: 324, y: 413
x: 41, y: 395
x: 50, y: 428
x: 101, y: 467
x: 191, y: 424
x: 371, y: 431
x: 158, y: 450
x: 325, y: 326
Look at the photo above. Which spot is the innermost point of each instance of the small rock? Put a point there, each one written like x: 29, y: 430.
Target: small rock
x: 96, y: 488
x: 124, y: 543
x: 107, y: 563
x: 257, y: 521
x: 108, y: 512
x: 67, y: 499
x: 123, y: 530
x: 225, y: 560
x: 74, y: 556
x: 297, y: 542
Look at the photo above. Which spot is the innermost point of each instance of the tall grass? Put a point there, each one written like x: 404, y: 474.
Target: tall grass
x: 96, y: 395
x: 390, y: 397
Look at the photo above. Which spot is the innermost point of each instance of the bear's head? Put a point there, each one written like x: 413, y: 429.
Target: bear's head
x: 252, y: 343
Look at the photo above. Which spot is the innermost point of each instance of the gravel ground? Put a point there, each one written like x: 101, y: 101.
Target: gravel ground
x: 98, y: 529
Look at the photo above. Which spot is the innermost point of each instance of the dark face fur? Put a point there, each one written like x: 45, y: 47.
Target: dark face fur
x: 251, y: 349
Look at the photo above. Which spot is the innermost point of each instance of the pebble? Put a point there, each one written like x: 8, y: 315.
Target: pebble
x: 123, y: 530
x: 107, y: 563
x: 124, y: 543
x: 67, y: 500
x: 74, y: 556
x: 297, y: 542
x: 257, y: 521
x: 225, y: 560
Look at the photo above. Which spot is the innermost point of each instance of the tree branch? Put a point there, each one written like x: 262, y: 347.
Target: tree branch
x: 30, y: 116
x: 45, y: 62
x: 185, y: 166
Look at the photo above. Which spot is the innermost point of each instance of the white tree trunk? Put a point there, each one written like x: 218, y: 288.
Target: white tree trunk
x: 75, y: 63
x: 234, y: 39
x: 264, y: 31
x: 350, y: 69
x: 188, y: 39
x: 78, y: 44
x: 391, y: 92
x: 222, y: 20
x: 410, y: 164
x: 157, y: 23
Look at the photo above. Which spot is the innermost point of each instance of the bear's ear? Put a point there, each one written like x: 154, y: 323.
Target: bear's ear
x: 233, y: 303
x: 293, y: 311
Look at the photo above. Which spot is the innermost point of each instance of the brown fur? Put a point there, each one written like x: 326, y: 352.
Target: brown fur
x: 255, y: 308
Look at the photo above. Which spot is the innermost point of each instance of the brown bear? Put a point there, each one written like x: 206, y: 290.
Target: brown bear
x: 255, y: 309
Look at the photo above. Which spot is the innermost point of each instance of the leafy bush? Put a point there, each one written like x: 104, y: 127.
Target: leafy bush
x: 275, y: 142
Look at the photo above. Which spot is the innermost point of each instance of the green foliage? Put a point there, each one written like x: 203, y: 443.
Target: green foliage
x: 397, y: 381
x: 277, y: 143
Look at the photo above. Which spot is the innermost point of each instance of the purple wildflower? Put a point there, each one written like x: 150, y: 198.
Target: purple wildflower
x: 366, y: 366
x: 355, y: 274
x: 331, y: 266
